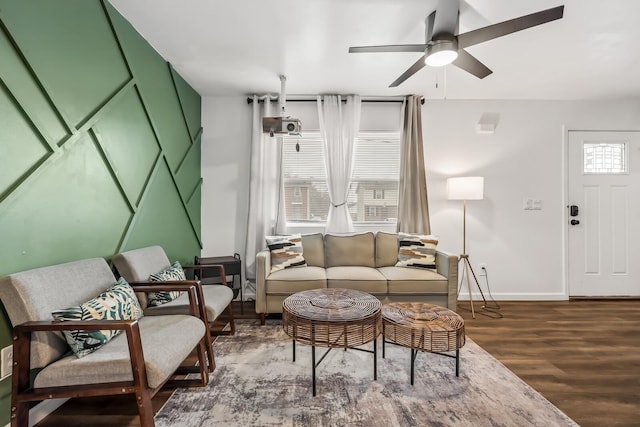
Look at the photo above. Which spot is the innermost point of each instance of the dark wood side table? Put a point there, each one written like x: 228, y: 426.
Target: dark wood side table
x: 232, y: 267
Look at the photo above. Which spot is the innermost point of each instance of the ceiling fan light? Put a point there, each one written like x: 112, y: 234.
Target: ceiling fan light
x: 441, y: 52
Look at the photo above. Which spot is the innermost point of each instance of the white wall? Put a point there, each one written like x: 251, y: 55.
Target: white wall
x: 523, y: 250
x: 226, y: 150
x: 524, y: 158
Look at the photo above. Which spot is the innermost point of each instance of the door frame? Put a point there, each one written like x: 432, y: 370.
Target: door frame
x: 565, y: 199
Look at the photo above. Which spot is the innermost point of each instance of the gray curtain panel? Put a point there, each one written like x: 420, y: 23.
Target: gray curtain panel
x: 413, y: 207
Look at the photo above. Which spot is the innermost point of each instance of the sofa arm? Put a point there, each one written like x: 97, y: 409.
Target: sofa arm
x: 447, y: 266
x: 263, y: 268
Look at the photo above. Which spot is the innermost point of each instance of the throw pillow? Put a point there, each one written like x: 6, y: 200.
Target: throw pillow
x: 175, y: 272
x: 416, y: 250
x: 286, y: 252
x: 118, y: 302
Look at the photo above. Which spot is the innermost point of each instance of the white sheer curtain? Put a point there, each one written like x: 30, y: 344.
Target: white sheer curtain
x: 266, y: 204
x: 413, y: 208
x: 339, y: 125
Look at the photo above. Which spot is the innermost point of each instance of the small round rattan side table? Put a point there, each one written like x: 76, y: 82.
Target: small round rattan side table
x: 423, y: 327
x: 334, y: 318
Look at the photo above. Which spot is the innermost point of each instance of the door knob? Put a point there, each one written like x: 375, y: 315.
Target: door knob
x: 574, y: 222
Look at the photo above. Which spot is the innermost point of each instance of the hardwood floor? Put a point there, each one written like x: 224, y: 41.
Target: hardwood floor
x: 583, y: 356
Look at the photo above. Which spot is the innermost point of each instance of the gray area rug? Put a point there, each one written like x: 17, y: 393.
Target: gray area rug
x: 257, y: 384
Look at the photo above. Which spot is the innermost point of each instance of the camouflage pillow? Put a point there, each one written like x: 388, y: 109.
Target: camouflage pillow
x: 286, y: 252
x: 175, y: 272
x: 118, y: 302
x: 415, y: 250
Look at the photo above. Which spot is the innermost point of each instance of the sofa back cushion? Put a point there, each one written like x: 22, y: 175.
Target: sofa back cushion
x: 356, y: 249
x: 313, y: 249
x: 386, y: 249
x: 32, y: 295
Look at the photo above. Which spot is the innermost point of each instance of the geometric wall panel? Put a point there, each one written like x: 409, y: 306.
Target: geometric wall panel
x: 188, y: 175
x: 113, y: 184
x: 152, y: 73
x: 18, y: 155
x: 190, y: 101
x: 28, y: 94
x: 193, y: 207
x: 127, y: 138
x: 74, y: 195
x: 170, y: 230
x: 73, y: 52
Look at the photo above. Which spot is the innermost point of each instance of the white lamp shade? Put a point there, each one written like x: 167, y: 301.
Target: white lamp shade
x: 465, y: 188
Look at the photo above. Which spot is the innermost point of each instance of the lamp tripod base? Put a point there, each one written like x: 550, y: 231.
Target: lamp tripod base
x: 486, y: 310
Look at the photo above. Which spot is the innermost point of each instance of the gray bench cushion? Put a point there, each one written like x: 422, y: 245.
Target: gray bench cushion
x: 217, y: 298
x: 32, y: 295
x: 166, y: 342
x: 356, y: 250
x: 138, y: 264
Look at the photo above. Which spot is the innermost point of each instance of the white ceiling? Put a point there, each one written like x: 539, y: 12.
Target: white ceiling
x: 238, y: 47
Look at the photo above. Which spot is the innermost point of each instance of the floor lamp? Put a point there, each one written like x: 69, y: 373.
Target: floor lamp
x: 468, y: 188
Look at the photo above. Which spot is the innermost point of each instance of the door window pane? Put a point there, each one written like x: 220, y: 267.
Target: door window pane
x: 604, y: 158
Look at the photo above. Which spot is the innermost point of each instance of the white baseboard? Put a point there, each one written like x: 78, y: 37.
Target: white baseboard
x: 515, y: 297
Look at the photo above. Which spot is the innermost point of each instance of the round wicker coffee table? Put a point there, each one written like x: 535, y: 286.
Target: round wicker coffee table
x: 333, y: 318
x: 423, y: 327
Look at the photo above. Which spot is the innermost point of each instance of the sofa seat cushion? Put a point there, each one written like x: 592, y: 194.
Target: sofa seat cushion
x: 365, y: 279
x: 404, y: 280
x: 292, y: 280
x: 216, y: 297
x: 166, y: 342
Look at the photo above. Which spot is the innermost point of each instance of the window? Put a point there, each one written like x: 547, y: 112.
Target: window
x: 600, y: 158
x: 373, y: 195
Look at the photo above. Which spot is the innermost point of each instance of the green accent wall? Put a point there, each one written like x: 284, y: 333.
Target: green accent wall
x: 99, y: 142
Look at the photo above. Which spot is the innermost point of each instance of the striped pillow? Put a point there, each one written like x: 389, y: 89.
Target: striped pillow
x: 118, y: 302
x: 286, y: 252
x: 175, y: 272
x: 417, y: 250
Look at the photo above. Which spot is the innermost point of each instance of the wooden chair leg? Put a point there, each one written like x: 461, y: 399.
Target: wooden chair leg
x: 19, y: 414
x: 210, y: 356
x: 232, y: 321
x: 145, y: 408
x: 262, y: 318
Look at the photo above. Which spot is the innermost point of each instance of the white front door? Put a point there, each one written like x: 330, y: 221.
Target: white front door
x: 604, y: 213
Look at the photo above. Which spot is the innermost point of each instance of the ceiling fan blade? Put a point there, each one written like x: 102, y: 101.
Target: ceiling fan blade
x: 446, y: 20
x: 470, y: 64
x: 410, y: 72
x: 507, y: 27
x: 389, y: 48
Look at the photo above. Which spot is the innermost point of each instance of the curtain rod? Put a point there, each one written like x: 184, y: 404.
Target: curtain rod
x: 274, y: 98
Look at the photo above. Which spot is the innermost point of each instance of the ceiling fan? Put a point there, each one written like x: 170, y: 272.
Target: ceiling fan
x: 444, y: 46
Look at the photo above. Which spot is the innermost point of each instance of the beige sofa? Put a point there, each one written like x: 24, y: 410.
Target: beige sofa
x: 365, y: 262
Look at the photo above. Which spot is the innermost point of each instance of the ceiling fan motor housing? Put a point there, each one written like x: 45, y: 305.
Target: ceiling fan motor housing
x: 441, y: 51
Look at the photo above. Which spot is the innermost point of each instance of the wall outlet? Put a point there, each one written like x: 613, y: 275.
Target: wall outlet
x: 483, y: 266
x: 6, y: 362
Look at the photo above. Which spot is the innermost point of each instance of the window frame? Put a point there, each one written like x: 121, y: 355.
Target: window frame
x: 362, y: 135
